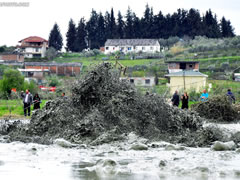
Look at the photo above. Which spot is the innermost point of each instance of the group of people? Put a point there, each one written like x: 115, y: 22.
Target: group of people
x: 28, y: 100
x: 204, y: 97
x: 176, y: 100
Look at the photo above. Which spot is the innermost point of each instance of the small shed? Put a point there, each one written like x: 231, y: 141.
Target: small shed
x: 140, y: 81
x: 176, y: 66
x: 38, y: 75
x: 186, y: 80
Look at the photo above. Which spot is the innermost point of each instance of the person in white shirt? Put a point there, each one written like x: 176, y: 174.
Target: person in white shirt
x: 27, y: 101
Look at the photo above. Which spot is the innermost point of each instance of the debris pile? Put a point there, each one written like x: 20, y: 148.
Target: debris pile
x: 104, y: 108
x: 217, y: 108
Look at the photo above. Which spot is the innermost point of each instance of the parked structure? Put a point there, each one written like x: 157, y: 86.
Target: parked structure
x: 177, y: 66
x: 69, y: 69
x: 33, y: 47
x: 132, y: 45
x: 236, y: 77
x: 12, y: 57
x: 140, y: 81
x: 186, y: 80
x: 37, y: 75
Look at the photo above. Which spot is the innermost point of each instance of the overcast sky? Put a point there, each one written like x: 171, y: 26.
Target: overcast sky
x: 38, y: 18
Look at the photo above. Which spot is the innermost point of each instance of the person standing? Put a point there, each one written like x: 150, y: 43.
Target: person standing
x: 184, y: 99
x: 175, y: 99
x: 204, y: 96
x: 230, y: 96
x: 36, y: 101
x: 27, y: 101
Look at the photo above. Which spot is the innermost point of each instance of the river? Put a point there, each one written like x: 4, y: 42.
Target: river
x: 116, y: 161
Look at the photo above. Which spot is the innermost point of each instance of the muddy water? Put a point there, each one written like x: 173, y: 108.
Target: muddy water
x: 114, y: 161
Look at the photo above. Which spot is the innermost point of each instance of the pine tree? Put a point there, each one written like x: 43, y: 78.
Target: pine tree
x: 211, y: 26
x: 129, y: 24
x: 194, y: 23
x: 136, y: 27
x: 147, y: 22
x: 55, y: 38
x: 120, y: 26
x: 81, y: 36
x: 101, y: 37
x: 112, y: 25
x: 158, y: 28
x: 91, y: 27
x: 226, y: 28
x: 107, y: 22
x: 71, y: 36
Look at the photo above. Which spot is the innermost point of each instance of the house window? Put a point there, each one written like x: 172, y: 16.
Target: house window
x: 151, y: 48
x: 129, y: 48
x: 190, y: 65
x: 107, y: 48
x: 113, y: 48
x: 30, y: 74
x: 147, y: 81
x: 37, y: 49
x: 121, y: 48
x: 132, y: 81
x: 143, y: 48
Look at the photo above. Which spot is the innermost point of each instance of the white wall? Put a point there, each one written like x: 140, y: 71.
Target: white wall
x: 140, y: 81
x: 127, y: 49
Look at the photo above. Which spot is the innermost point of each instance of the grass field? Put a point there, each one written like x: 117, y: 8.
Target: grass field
x: 88, y: 62
x: 13, y: 107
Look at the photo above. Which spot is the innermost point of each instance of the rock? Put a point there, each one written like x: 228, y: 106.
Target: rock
x: 139, y: 147
x: 63, y: 143
x: 238, y: 150
x: 158, y: 144
x: 1, y: 163
x: 162, y: 163
x: 223, y: 146
x: 172, y: 147
x: 106, y: 166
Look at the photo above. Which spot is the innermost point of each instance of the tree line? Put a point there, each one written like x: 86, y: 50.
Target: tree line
x: 94, y: 32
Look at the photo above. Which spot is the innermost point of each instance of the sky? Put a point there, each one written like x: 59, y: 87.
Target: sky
x: 37, y: 17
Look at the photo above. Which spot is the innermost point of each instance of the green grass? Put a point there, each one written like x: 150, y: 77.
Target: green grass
x: 88, y: 62
x: 14, y: 107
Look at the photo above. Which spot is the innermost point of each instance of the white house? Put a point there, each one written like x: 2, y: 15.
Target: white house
x: 132, y: 45
x: 33, y: 47
x: 140, y: 81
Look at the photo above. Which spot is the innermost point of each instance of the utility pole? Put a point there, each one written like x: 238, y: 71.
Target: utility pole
x: 184, y: 85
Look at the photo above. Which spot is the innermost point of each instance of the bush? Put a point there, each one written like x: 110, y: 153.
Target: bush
x: 53, y: 81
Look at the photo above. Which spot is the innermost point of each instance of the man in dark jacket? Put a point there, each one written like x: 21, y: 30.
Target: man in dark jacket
x: 175, y: 99
x: 27, y: 101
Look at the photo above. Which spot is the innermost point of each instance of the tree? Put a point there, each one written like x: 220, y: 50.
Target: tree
x: 101, y: 31
x: 194, y: 23
x: 91, y: 27
x: 120, y: 26
x: 71, y: 36
x: 136, y: 27
x: 147, y: 23
x: 12, y: 79
x: 226, y: 28
x: 81, y: 36
x: 55, y: 38
x: 51, y: 53
x: 211, y: 26
x: 107, y: 22
x: 129, y: 24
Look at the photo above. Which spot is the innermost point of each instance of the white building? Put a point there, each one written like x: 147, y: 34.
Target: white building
x: 140, y: 81
x: 132, y: 45
x: 33, y: 47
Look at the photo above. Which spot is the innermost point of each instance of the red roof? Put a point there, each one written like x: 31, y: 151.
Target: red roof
x: 33, y: 39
